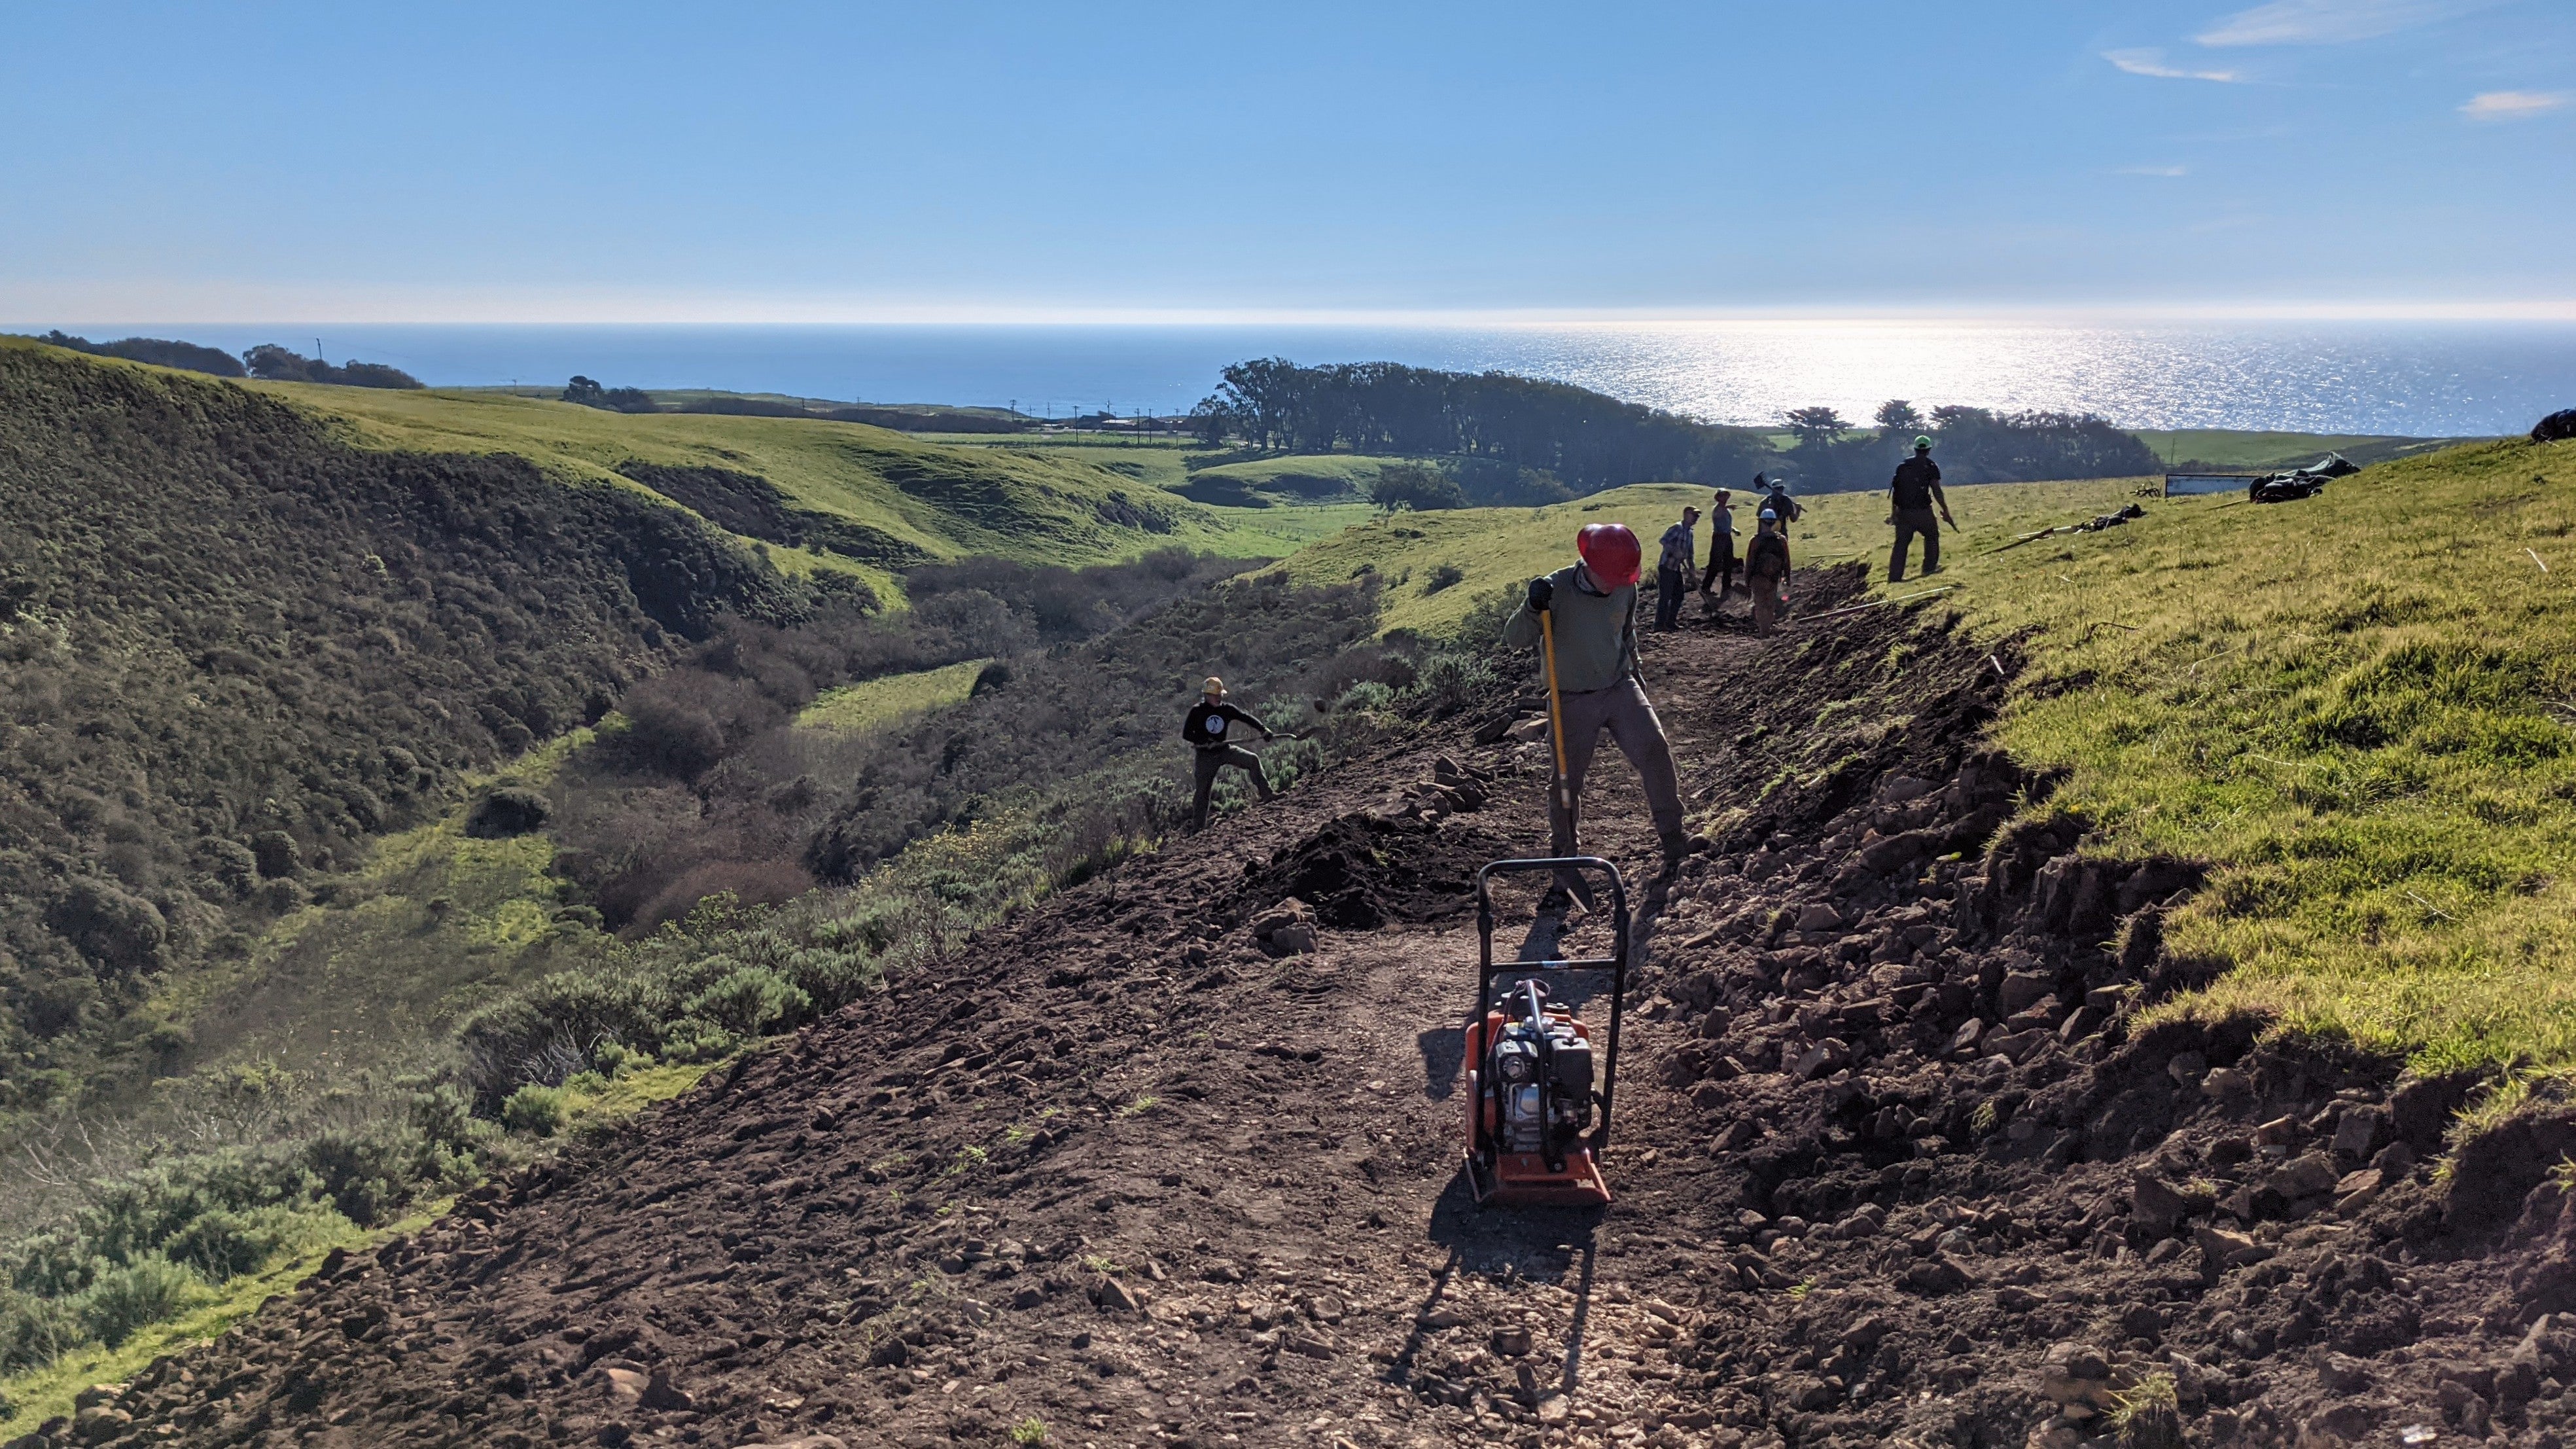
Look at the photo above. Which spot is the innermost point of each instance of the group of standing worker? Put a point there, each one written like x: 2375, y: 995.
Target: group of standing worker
x: 1765, y: 562
x: 1583, y: 617
x: 1914, y: 497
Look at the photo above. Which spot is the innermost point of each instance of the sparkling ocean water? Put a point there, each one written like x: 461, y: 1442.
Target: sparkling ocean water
x: 2422, y: 379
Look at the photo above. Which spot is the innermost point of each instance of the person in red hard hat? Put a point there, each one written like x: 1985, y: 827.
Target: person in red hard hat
x: 1594, y: 604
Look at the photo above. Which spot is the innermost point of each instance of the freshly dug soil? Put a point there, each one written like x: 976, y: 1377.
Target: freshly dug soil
x: 1892, y: 1164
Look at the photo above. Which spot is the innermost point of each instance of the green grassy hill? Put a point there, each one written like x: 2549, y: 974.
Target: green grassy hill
x: 2234, y: 450
x: 833, y: 495
x: 232, y: 650
x: 1492, y: 548
x: 2358, y: 708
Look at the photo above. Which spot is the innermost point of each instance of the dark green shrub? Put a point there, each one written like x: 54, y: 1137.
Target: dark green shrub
x: 34, y: 1331
x: 1450, y: 682
x: 363, y: 1173
x: 119, y: 930
x: 122, y: 1300
x: 232, y: 866
x: 751, y: 1001
x: 507, y: 811
x: 695, y: 1040
x: 221, y: 1244
x: 276, y: 853
x: 534, y: 1110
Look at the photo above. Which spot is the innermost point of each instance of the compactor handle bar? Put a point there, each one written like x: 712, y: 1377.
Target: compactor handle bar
x: 1616, y: 963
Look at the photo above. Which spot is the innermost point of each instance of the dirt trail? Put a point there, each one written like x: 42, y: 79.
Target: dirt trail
x: 1891, y: 1165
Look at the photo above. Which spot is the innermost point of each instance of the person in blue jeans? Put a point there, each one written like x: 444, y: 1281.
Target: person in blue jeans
x: 1209, y: 729
x: 1673, y: 570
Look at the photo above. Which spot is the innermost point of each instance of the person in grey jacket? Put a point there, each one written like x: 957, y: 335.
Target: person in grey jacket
x: 1594, y: 603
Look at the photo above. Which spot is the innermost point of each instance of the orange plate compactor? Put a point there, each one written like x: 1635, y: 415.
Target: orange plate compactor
x: 1538, y: 1080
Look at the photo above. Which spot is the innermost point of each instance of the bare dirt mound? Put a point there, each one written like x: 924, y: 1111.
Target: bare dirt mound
x: 1173, y: 1160
x: 1364, y: 870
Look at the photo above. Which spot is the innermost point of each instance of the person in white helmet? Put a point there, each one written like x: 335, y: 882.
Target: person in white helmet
x: 1766, y: 571
x: 1209, y: 731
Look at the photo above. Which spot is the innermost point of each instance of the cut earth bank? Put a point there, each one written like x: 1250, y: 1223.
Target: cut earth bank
x: 1895, y: 1161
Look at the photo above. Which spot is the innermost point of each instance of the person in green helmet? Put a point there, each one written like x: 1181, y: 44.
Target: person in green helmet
x: 1915, y: 492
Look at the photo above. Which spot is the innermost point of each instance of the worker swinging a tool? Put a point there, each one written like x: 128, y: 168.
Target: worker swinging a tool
x: 1913, y: 494
x: 1584, y: 618
x: 1206, y: 730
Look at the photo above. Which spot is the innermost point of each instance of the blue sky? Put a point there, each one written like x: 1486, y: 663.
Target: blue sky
x: 653, y: 162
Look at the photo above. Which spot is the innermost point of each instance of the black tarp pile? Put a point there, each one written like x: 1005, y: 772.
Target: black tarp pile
x: 2299, y: 482
x: 2111, y: 520
x: 2092, y: 525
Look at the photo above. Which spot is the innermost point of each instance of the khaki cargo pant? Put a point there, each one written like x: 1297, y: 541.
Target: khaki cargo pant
x: 1216, y: 758
x: 1766, y: 604
x: 1624, y: 711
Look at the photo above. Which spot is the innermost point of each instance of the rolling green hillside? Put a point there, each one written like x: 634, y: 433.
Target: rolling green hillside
x: 2358, y: 708
x: 1492, y: 548
x: 827, y: 494
x: 2254, y: 452
x: 233, y: 649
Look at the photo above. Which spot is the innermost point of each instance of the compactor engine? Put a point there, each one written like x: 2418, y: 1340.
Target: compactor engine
x: 1542, y: 1063
x: 1538, y: 1100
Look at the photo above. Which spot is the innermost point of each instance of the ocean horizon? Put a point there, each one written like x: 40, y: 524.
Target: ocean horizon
x: 2426, y: 379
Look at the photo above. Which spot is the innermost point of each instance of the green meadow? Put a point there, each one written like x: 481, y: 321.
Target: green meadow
x: 1492, y: 548
x: 890, y: 699
x: 931, y: 500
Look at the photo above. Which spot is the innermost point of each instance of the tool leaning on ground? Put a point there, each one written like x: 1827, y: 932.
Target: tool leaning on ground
x: 1537, y: 1125
x: 1560, y: 789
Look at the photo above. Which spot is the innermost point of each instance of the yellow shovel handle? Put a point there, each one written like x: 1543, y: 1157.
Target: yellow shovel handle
x: 1555, y: 710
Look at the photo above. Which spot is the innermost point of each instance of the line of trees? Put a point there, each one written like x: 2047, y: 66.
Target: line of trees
x: 267, y: 361
x: 159, y: 351
x: 1587, y: 440
x: 1973, y: 445
x: 587, y: 392
x: 279, y: 364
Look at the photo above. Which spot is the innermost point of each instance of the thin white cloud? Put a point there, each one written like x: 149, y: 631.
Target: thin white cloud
x: 2327, y: 22
x: 2155, y: 171
x: 2152, y: 62
x: 2512, y: 105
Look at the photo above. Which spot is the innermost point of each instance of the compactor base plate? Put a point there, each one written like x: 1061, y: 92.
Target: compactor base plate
x: 1522, y: 1179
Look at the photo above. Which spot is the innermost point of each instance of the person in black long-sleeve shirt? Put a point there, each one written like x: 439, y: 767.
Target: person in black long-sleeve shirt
x: 1207, y: 730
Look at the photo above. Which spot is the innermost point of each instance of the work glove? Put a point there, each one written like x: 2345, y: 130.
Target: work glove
x: 1542, y: 591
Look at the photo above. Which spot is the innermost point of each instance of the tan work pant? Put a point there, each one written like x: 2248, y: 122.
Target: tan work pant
x: 1766, y: 605
x: 1624, y: 711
